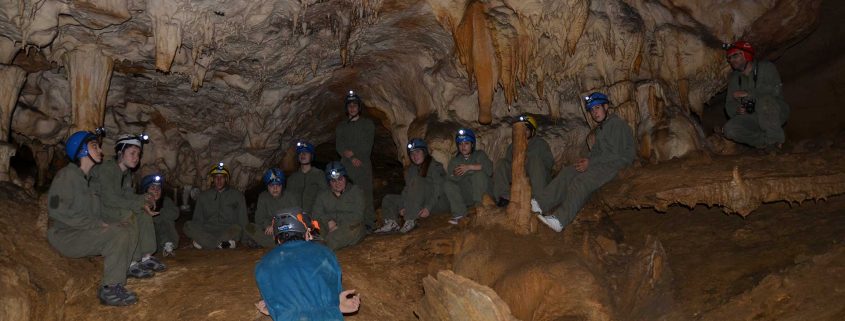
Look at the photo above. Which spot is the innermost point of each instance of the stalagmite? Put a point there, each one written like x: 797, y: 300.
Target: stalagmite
x: 454, y: 297
x: 11, y: 80
x: 89, y: 73
x: 167, y: 31
x: 519, y: 210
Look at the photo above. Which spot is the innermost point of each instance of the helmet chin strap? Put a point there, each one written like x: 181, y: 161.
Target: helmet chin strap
x: 92, y: 158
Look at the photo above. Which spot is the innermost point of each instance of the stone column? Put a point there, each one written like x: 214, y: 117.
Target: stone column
x: 519, y: 209
x: 89, y: 73
x: 11, y: 81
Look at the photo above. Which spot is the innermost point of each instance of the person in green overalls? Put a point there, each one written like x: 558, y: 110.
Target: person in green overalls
x: 167, y: 238
x: 307, y: 181
x: 270, y: 202
x: 354, y: 143
x: 613, y: 150
x: 422, y: 194
x: 340, y: 209
x: 113, y: 181
x: 468, y: 176
x: 77, y: 228
x: 754, y: 102
x: 538, y: 164
x: 220, y: 214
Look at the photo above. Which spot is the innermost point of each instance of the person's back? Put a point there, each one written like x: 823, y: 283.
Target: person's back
x: 300, y: 280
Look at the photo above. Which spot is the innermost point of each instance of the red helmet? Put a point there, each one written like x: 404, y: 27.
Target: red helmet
x: 741, y: 46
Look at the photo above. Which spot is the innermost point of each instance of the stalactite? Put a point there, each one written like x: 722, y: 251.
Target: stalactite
x: 89, y: 73
x: 11, y: 80
x: 99, y: 14
x: 474, y: 43
x: 167, y: 31
x: 519, y: 209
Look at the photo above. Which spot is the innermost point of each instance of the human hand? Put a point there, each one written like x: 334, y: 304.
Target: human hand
x: 348, y: 153
x: 262, y: 307
x: 424, y: 212
x: 741, y: 110
x: 356, y: 162
x: 582, y: 164
x: 402, y: 212
x: 268, y: 230
x: 460, y: 170
x: 149, y: 210
x: 332, y: 225
x: 349, y: 304
x: 740, y: 94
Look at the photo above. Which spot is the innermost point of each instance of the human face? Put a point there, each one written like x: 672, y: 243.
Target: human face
x: 352, y: 110
x: 417, y: 156
x: 220, y: 181
x: 95, y: 151
x: 599, y: 113
x: 338, y: 185
x: 737, y: 61
x: 130, y: 157
x: 155, y: 190
x: 275, y: 190
x: 465, y: 148
x: 305, y: 158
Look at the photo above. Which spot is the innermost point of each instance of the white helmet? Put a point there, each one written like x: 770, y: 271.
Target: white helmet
x: 125, y: 140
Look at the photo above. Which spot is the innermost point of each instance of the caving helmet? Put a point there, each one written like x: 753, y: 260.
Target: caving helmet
x: 76, y: 146
x: 741, y: 46
x: 595, y: 99
x: 334, y: 170
x: 150, y: 180
x: 417, y: 143
x: 304, y: 146
x: 126, y: 140
x: 273, y: 176
x: 288, y: 221
x: 528, y: 120
x: 220, y: 168
x: 465, y: 135
x: 352, y: 97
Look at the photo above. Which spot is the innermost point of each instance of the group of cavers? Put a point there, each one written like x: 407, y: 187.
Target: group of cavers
x: 96, y: 210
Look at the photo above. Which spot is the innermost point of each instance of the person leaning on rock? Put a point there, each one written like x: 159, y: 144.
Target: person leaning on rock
x: 299, y: 279
x: 571, y: 188
x: 270, y: 202
x: 340, y: 209
x: 167, y: 238
x: 538, y: 164
x: 113, y: 181
x: 467, y: 176
x: 307, y: 181
x: 219, y: 215
x: 77, y: 228
x: 754, y: 102
x: 354, y: 143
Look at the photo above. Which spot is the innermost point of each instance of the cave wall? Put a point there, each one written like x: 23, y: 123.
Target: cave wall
x: 240, y: 81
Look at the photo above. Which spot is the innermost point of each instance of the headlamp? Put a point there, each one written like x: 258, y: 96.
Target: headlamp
x: 220, y: 165
x: 158, y: 178
x: 461, y: 132
x: 727, y: 46
x: 351, y: 93
x: 100, y: 131
x: 410, y: 145
x: 522, y: 118
x: 299, y: 144
x: 334, y: 174
x: 144, y: 138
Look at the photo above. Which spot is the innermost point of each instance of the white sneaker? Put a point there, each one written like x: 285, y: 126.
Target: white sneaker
x: 408, y: 226
x: 230, y: 244
x: 389, y: 226
x: 455, y: 220
x: 535, y: 207
x: 197, y: 245
x: 168, y: 249
x: 552, y: 222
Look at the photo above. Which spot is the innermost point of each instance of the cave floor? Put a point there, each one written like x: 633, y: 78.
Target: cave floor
x: 783, y: 256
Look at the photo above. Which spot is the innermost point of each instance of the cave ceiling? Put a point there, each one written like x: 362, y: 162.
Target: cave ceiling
x: 240, y: 81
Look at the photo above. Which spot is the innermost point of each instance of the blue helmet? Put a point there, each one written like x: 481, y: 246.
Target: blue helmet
x: 595, y: 99
x: 465, y: 135
x: 303, y: 146
x: 335, y: 170
x: 76, y: 146
x: 274, y: 176
x: 150, y: 180
x: 417, y: 143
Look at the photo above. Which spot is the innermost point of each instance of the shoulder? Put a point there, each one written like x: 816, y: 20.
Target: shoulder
x: 767, y: 67
x: 263, y: 196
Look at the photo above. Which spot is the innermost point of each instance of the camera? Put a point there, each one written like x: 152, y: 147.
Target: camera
x: 748, y: 104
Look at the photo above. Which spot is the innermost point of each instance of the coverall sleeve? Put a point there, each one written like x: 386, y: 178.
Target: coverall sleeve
x: 486, y: 163
x: 113, y: 191
x: 200, y: 210
x: 732, y: 104
x: 620, y: 152
x: 768, y: 81
x: 243, y: 219
x: 63, y: 208
x: 353, y: 212
x: 261, y: 212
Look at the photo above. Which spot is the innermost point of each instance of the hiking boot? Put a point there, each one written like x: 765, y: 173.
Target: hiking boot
x: 197, y: 245
x: 552, y: 222
x: 138, y: 271
x: 152, y: 263
x: 408, y: 226
x: 389, y: 226
x: 169, y: 249
x: 455, y: 220
x: 535, y: 207
x: 230, y: 244
x: 116, y: 295
x: 502, y: 202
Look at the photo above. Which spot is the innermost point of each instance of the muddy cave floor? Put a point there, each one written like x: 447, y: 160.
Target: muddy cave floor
x: 720, y: 264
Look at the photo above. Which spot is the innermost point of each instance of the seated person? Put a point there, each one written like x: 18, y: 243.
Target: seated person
x: 613, y: 150
x: 340, y: 210
x: 754, y: 103
x: 301, y: 280
x: 76, y: 226
x: 220, y: 214
x: 167, y: 238
x: 538, y: 164
x: 468, y: 176
x: 422, y: 194
x: 269, y: 203
x: 307, y: 181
